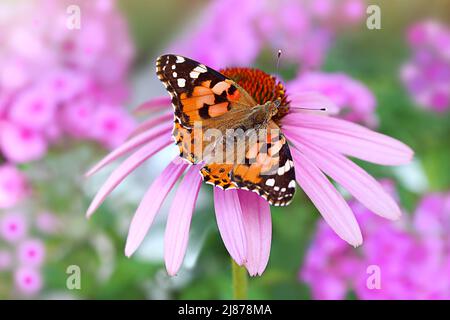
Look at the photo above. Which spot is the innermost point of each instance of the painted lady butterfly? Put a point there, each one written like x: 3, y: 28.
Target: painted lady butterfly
x: 219, y: 102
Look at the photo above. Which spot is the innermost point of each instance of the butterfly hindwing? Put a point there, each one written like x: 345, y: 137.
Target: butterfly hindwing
x: 218, y: 175
x: 268, y: 169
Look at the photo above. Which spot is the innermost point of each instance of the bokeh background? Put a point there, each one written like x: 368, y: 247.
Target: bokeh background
x: 67, y: 95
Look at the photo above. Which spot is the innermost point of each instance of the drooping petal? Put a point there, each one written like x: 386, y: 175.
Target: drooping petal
x: 312, y: 101
x: 152, y: 105
x: 347, y: 138
x: 150, y: 204
x: 152, y: 122
x: 125, y: 168
x: 353, y: 178
x: 231, y: 227
x: 179, y: 220
x: 135, y: 142
x: 326, y: 198
x: 258, y: 230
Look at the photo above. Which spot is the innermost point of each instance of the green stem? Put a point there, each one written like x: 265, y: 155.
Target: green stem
x: 240, y: 281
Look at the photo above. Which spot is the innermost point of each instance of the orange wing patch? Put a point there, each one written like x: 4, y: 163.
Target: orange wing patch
x: 189, y: 143
x: 205, y: 102
x: 268, y: 169
x: 218, y: 175
x: 243, y: 172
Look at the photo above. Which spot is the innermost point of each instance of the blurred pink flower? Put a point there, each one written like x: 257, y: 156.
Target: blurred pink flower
x: 217, y: 48
x: 304, y: 30
x: 344, y: 11
x: 21, y: 256
x: 322, y: 8
x: 319, y: 144
x: 13, y: 186
x: 78, y: 118
x: 13, y: 226
x: 324, y: 254
x: 353, y: 10
x: 28, y: 280
x: 47, y: 222
x: 427, y: 74
x: 430, y: 35
x: 34, y: 108
x: 13, y: 75
x: 354, y: 100
x: 47, y: 68
x: 21, y: 144
x: 413, y: 256
x: 112, y: 125
x: 65, y: 84
x: 31, y: 252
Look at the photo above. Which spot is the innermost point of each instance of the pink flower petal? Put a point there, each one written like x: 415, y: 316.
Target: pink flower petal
x: 155, y: 104
x: 357, y: 181
x: 230, y: 223
x: 125, y: 168
x: 313, y: 101
x: 326, y: 198
x: 152, y: 122
x: 179, y: 221
x: 150, y: 204
x: 163, y: 130
x: 347, y: 138
x: 258, y: 230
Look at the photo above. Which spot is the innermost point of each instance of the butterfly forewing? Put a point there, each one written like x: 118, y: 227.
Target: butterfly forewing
x: 198, y: 92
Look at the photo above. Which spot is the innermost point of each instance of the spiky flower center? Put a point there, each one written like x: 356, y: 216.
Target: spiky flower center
x: 261, y: 86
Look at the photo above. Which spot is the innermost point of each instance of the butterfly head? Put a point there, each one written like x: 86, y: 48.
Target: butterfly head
x: 277, y: 103
x: 272, y: 107
x: 269, y: 109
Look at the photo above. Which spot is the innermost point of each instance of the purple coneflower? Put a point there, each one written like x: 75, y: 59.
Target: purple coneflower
x: 319, y: 146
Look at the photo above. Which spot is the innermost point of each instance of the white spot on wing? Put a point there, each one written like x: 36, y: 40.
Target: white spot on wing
x: 174, y: 74
x: 292, y: 184
x: 200, y: 69
x: 194, y: 74
x: 181, y: 82
x: 287, y: 166
x: 270, y: 182
x: 180, y: 59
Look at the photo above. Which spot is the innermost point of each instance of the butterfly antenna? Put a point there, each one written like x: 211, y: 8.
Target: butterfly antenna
x: 312, y: 109
x: 278, y: 61
x: 278, y: 101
